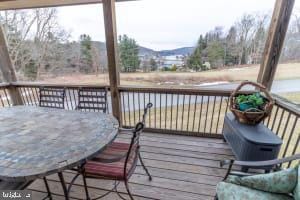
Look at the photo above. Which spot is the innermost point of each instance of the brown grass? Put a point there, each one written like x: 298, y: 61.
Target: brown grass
x: 285, y: 71
x: 184, y: 118
x: 293, y: 96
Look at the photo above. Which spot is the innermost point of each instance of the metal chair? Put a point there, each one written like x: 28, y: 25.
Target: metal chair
x: 52, y: 97
x: 92, y: 99
x: 277, y: 165
x: 117, y: 162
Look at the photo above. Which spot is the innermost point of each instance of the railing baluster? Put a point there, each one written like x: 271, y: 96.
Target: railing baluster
x: 227, y: 105
x: 171, y: 121
x: 188, y: 118
x: 182, y: 116
x: 128, y: 105
x: 123, y: 108
x: 149, y: 101
x: 36, y: 96
x: 74, y: 100
x: 286, y: 124
x: 195, y: 109
x: 279, y: 124
x: 155, y: 110
x: 33, y: 96
x: 290, y: 136
x: 220, y: 108
x: 200, y: 114
x: 212, y: 115
x: 269, y: 118
x: 67, y: 100
x: 160, y: 110
x: 144, y: 104
x: 2, y: 102
x: 133, y: 108
x: 166, y: 109
x: 25, y: 95
x: 29, y: 94
x: 206, y: 114
x: 177, y: 112
x: 139, y: 104
x: 7, y: 97
x: 274, y: 119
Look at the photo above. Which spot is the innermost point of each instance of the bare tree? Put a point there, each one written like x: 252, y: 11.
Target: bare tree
x: 96, y: 59
x: 17, y: 26
x: 244, y: 27
x: 30, y: 35
x: 258, y: 38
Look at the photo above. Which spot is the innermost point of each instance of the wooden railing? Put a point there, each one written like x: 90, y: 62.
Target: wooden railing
x: 200, y: 112
x: 196, y: 112
x: 284, y: 122
x: 180, y: 111
x: 4, y: 95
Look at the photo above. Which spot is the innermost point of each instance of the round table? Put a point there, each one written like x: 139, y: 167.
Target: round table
x: 36, y: 142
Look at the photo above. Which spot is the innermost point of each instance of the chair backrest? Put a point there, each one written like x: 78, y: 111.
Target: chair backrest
x: 52, y: 97
x: 92, y: 99
x: 133, y: 151
x: 146, y: 109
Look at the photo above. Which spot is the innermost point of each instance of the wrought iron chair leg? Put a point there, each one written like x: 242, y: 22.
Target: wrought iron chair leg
x: 63, y: 184
x: 47, y: 188
x: 72, y: 182
x: 128, y: 191
x: 116, y: 190
x: 85, y: 186
x: 144, y: 166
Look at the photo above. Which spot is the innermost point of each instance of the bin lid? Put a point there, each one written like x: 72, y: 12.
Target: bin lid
x: 257, y: 134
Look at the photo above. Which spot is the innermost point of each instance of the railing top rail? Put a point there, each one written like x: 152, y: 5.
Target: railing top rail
x: 4, y: 84
x: 287, y: 105
x: 186, y: 91
x: 59, y: 85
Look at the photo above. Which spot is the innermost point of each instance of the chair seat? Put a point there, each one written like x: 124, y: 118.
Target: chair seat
x: 112, y: 170
x: 113, y: 150
x: 229, y: 191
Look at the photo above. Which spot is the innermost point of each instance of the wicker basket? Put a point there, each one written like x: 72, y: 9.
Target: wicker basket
x: 250, y: 117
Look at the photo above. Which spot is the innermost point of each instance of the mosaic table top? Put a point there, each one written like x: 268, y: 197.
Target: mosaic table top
x: 35, y: 141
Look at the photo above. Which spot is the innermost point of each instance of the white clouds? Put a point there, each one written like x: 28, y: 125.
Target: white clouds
x: 161, y: 24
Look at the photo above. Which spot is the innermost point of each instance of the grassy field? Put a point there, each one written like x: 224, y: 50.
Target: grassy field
x: 285, y: 71
x: 294, y: 97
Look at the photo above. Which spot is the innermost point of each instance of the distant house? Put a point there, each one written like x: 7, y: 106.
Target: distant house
x: 169, y: 61
x: 207, y: 65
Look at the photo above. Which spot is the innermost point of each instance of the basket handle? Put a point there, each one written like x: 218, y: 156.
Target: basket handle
x: 258, y: 85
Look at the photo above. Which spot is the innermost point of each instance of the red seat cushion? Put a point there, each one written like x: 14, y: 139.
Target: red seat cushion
x: 114, y: 170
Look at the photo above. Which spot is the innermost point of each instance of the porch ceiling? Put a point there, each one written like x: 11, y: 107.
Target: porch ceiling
x: 23, y: 4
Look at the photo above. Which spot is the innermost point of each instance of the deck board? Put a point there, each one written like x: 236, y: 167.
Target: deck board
x: 182, y: 167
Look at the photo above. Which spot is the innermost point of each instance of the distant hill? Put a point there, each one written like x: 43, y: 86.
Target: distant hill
x: 146, y: 51
x: 150, y: 52
x: 179, y: 51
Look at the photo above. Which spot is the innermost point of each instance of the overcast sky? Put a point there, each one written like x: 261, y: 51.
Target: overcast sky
x: 161, y: 24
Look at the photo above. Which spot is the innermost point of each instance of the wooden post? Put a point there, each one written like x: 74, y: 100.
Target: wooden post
x: 112, y: 55
x: 7, y: 69
x: 277, y: 31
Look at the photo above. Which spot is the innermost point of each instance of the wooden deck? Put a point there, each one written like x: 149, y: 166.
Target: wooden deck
x: 183, y: 168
